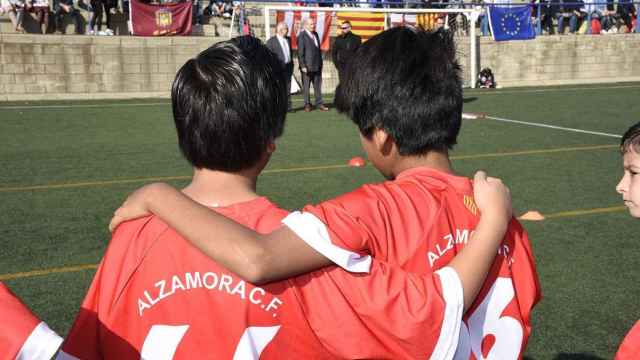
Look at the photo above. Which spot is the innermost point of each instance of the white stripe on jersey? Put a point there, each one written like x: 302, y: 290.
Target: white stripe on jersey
x: 454, y: 309
x: 42, y: 344
x: 314, y: 232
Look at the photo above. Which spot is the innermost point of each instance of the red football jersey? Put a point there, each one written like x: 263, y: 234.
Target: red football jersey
x: 420, y: 221
x: 23, y: 336
x: 155, y: 296
x: 630, y: 347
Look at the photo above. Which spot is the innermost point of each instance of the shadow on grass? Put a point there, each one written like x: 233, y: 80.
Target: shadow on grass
x: 469, y: 99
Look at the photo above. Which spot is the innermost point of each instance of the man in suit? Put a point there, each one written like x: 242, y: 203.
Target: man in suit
x: 281, y: 46
x: 310, y: 62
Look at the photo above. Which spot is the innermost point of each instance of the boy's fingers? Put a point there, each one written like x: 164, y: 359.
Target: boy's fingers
x: 480, y: 175
x: 116, y: 220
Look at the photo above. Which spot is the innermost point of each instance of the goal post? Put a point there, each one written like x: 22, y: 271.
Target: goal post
x: 464, y: 33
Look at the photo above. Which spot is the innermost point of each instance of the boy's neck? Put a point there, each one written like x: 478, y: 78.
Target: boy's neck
x: 437, y: 160
x: 218, y: 188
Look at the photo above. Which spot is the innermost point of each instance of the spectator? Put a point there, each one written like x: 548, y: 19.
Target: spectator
x: 65, y: 8
x: 220, y: 8
x: 547, y: 13
x: 310, y: 63
x: 124, y: 9
x: 15, y: 9
x: 602, y: 12
x: 280, y: 44
x: 574, y: 11
x: 39, y: 10
x: 108, y: 8
x: 626, y: 11
x: 344, y: 48
x: 439, y: 23
x: 94, y: 10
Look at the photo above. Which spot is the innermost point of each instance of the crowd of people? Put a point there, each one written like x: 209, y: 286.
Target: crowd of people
x: 548, y: 16
x: 43, y: 10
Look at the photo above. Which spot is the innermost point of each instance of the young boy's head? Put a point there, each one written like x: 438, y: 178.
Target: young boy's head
x: 406, y: 82
x: 229, y: 105
x: 629, y: 185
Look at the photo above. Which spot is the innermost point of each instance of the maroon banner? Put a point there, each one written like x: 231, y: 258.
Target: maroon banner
x: 161, y: 20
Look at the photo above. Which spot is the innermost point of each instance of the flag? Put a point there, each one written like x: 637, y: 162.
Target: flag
x: 363, y: 24
x: 511, y: 23
x: 294, y: 22
x: 161, y: 20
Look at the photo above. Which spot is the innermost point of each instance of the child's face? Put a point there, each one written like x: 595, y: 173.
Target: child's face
x: 629, y: 185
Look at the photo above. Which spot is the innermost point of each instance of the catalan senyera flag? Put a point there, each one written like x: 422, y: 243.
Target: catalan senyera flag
x: 294, y: 22
x: 363, y: 24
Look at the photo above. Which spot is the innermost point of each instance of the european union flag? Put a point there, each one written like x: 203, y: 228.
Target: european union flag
x: 511, y: 23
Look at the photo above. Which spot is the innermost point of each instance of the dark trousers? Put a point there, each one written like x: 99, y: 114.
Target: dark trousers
x: 289, y: 73
x: 59, y: 15
x: 316, y: 78
x: 341, y: 72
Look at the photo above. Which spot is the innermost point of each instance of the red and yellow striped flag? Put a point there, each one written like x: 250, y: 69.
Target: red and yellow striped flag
x: 363, y: 24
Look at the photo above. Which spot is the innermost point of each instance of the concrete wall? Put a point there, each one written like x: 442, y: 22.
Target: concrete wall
x: 563, y: 59
x: 91, y: 67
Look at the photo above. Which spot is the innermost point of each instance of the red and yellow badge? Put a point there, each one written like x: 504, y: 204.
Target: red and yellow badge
x: 164, y: 18
x: 470, y: 204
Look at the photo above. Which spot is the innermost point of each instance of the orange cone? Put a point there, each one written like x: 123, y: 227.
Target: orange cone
x: 532, y: 216
x: 357, y: 162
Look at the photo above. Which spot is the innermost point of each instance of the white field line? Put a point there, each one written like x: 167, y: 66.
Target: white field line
x: 554, y: 127
x: 469, y: 92
x: 545, y: 90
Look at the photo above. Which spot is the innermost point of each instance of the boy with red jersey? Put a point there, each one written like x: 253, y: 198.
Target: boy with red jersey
x: 23, y: 336
x: 629, y: 188
x: 156, y: 296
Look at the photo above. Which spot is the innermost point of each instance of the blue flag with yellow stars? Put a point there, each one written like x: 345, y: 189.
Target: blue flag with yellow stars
x: 511, y: 23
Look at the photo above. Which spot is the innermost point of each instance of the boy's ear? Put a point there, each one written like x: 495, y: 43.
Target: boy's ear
x: 271, y: 147
x: 380, y: 139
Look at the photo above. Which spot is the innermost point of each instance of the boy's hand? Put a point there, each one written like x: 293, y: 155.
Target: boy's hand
x: 136, y: 205
x: 492, y: 197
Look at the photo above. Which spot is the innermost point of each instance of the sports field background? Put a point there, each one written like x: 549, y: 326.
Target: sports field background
x: 65, y: 167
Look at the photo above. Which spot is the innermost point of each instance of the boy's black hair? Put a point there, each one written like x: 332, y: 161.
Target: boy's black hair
x: 631, y: 140
x: 406, y: 82
x: 228, y: 103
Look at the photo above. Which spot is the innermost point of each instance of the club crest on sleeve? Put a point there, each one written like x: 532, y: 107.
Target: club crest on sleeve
x: 470, y: 204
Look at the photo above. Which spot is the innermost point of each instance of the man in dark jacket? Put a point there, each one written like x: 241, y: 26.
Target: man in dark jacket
x: 281, y: 46
x: 344, y: 47
x: 310, y: 62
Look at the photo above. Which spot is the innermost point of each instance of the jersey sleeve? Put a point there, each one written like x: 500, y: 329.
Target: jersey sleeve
x: 345, y: 230
x: 388, y: 313
x: 630, y: 347
x: 23, y: 335
x: 90, y: 331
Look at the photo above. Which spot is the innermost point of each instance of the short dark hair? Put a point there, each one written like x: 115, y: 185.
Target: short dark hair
x: 228, y: 103
x: 405, y: 81
x: 631, y: 139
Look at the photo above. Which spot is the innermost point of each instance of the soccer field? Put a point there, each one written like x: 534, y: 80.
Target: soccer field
x: 66, y: 166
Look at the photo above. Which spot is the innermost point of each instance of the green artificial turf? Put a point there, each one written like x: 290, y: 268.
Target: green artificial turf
x: 65, y: 166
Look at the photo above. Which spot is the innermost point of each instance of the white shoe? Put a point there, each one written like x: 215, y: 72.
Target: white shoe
x: 109, y: 32
x: 91, y: 32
